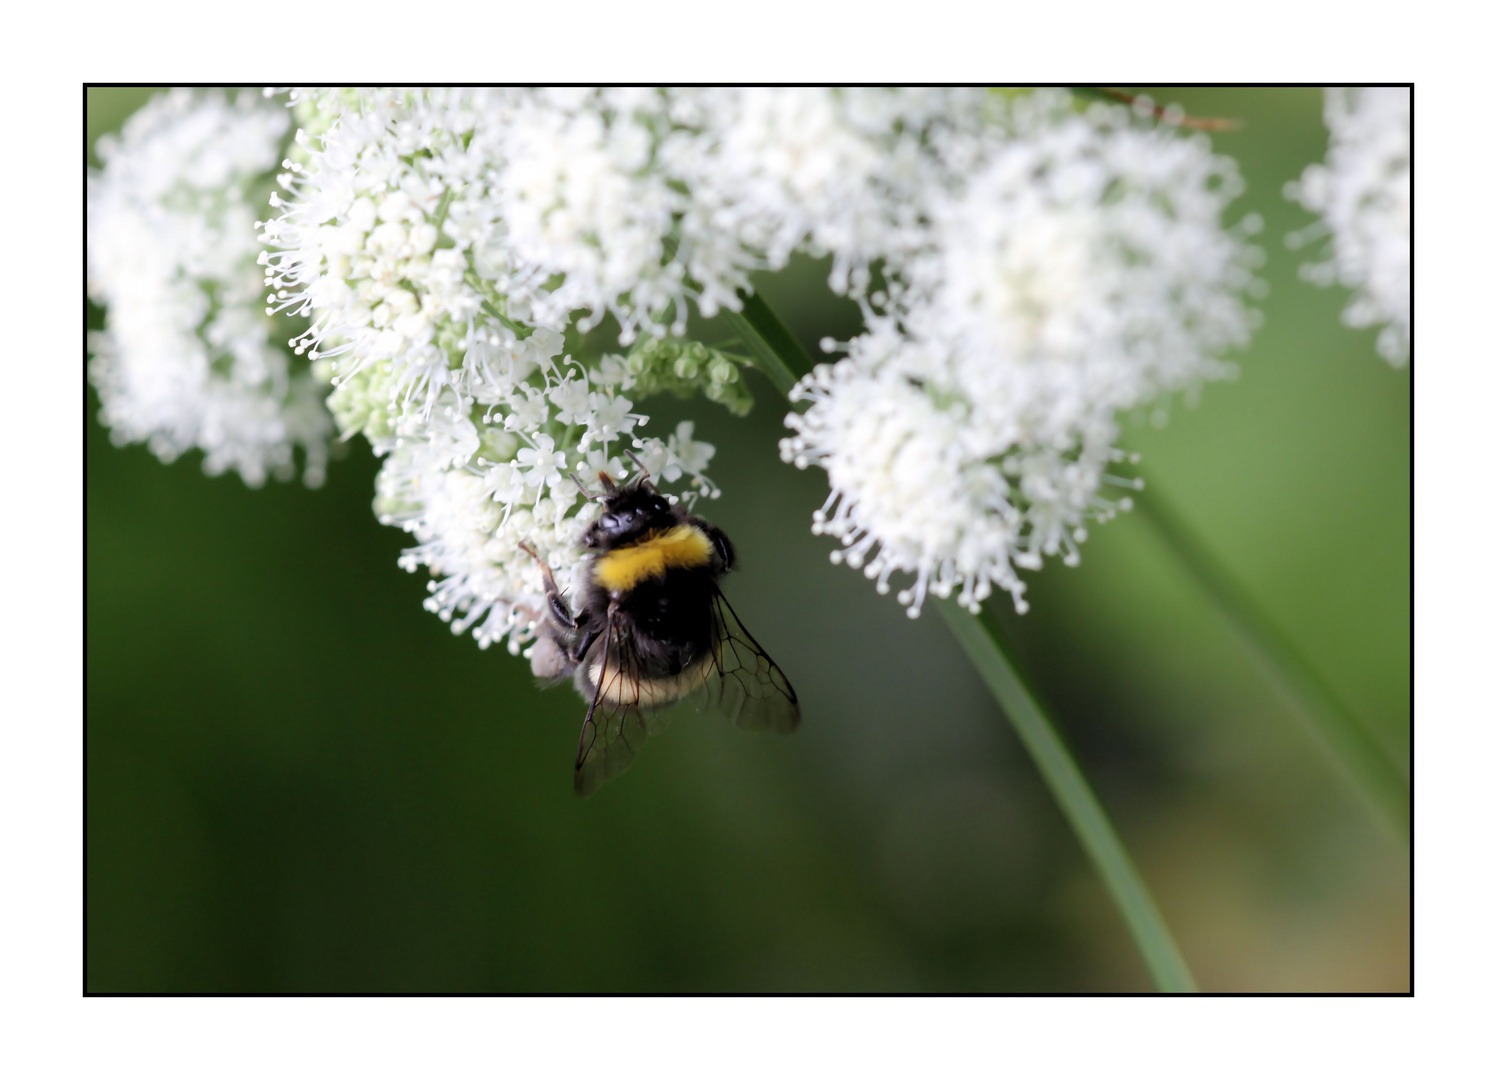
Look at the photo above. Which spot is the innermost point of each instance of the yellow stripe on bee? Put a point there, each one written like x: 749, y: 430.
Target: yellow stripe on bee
x: 682, y: 547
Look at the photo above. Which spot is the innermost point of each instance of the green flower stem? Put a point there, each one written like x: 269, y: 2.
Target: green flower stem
x: 988, y: 650
x: 780, y: 356
x: 1330, y: 721
x: 777, y: 352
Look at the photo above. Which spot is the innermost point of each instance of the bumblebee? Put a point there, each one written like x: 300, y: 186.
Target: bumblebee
x: 651, y: 628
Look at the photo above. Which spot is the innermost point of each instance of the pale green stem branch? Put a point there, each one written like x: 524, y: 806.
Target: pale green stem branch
x: 777, y: 352
x: 987, y: 648
x: 1330, y: 721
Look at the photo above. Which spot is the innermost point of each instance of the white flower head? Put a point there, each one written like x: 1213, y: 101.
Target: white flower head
x: 835, y: 172
x: 189, y: 358
x: 906, y: 496
x: 441, y: 242
x: 1363, y: 195
x: 1075, y: 265
x: 472, y: 482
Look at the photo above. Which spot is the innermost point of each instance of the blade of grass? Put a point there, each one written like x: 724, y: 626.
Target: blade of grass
x: 781, y: 357
x: 987, y: 648
x: 1330, y: 721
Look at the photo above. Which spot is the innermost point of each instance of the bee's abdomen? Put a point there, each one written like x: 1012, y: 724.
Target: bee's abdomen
x: 644, y: 691
x: 669, y: 619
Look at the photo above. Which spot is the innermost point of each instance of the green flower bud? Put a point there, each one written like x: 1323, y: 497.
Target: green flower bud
x: 686, y: 368
x: 361, y: 403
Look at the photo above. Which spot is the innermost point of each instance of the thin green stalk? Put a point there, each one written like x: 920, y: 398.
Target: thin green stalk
x: 1197, y: 123
x: 777, y: 352
x: 781, y: 357
x: 1332, y: 723
x: 987, y: 648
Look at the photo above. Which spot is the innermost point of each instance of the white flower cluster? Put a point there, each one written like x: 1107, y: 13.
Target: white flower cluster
x: 1364, y: 198
x: 1026, y: 271
x: 189, y: 359
x: 442, y: 241
x: 831, y: 172
x: 1063, y: 268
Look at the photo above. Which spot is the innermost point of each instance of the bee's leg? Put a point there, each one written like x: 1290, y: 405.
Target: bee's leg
x: 554, y: 602
x: 591, y: 634
x: 547, y: 659
x: 585, y: 642
x: 559, y: 610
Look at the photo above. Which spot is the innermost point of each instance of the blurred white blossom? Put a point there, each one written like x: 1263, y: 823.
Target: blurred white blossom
x: 1363, y: 196
x: 839, y: 172
x: 188, y: 358
x: 1068, y: 267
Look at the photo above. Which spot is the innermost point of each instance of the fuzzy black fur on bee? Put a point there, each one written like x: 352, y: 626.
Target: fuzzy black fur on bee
x: 650, y: 627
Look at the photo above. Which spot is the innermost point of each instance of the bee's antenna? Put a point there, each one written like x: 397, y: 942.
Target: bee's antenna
x: 583, y: 488
x: 644, y: 473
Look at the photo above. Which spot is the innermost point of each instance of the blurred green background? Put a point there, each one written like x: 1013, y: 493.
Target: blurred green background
x: 298, y: 780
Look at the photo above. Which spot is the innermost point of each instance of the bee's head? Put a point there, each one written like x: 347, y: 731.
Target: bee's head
x: 628, y: 512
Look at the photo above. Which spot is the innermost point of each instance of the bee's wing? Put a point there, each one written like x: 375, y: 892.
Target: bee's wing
x: 748, y: 687
x: 737, y: 679
x: 617, y: 723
